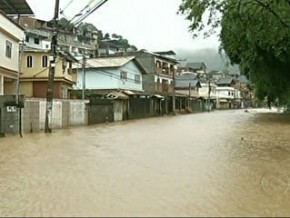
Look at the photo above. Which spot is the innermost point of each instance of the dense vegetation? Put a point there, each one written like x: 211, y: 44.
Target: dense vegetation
x: 254, y: 34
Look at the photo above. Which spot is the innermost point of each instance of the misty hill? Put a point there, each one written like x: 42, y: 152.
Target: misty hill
x: 210, y: 56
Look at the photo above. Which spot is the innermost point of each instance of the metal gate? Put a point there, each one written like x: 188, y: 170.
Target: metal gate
x: 101, y: 111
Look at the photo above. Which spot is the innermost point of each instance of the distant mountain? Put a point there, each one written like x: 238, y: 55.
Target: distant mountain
x: 210, y: 56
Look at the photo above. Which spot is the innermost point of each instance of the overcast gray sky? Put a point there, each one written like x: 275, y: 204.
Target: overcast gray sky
x: 148, y: 24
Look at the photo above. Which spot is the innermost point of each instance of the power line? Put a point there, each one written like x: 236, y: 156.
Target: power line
x: 92, y: 10
x: 111, y: 75
x: 65, y: 7
x: 80, y: 13
x: 41, y: 71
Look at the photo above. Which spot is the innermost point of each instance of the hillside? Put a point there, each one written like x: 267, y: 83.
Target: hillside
x: 210, y: 56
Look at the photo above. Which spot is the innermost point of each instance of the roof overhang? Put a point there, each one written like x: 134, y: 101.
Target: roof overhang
x: 15, y: 7
x: 117, y: 95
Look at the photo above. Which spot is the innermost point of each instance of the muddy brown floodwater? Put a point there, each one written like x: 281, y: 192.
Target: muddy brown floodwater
x: 225, y: 163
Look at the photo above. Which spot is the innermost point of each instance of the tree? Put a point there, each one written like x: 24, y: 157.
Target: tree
x: 65, y: 25
x: 254, y: 34
x: 107, y: 36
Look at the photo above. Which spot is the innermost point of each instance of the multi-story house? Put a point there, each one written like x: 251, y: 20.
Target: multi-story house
x: 208, y: 93
x: 244, y: 86
x: 161, y: 73
x: 78, y: 43
x: 35, y: 70
x: 197, y: 67
x: 187, y: 88
x: 228, y: 97
x: 109, y: 47
x: 159, y: 80
x: 111, y: 74
x: 10, y: 36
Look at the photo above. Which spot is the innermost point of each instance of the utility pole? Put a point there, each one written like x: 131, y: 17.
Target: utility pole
x: 209, y: 90
x: 84, y: 77
x: 189, y: 90
x: 21, y: 44
x: 173, y: 95
x: 50, y: 84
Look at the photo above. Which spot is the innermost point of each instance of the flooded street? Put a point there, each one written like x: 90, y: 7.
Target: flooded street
x: 225, y: 163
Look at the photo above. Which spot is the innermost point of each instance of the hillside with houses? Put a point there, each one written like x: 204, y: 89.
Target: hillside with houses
x: 101, y: 78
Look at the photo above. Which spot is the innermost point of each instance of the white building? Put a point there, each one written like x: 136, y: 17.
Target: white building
x: 205, y: 88
x: 10, y: 36
x: 228, y: 97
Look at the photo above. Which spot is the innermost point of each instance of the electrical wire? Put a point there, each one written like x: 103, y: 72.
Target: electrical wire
x: 46, y: 68
x: 68, y: 4
x: 92, y: 10
x: 80, y: 13
x: 109, y: 74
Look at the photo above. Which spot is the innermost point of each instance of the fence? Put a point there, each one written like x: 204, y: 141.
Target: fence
x: 65, y: 113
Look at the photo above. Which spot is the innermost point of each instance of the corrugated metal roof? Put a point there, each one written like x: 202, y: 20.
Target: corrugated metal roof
x: 225, y: 81
x: 186, y: 83
x: 186, y: 79
x: 108, y: 62
x: 186, y: 76
x: 196, y: 65
x: 15, y: 7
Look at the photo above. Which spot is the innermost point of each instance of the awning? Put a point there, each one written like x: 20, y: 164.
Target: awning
x: 128, y: 92
x: 117, y: 95
x: 15, y: 7
x: 223, y: 101
x: 158, y: 96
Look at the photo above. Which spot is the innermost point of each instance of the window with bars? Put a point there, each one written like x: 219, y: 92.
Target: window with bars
x: 44, y: 61
x: 137, y: 79
x: 29, y: 61
x: 8, y: 50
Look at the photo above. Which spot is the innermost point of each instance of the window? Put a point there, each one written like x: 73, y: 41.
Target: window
x: 29, y: 61
x: 137, y: 79
x: 36, y: 41
x: 123, y: 75
x: 8, y: 49
x: 44, y: 61
x: 27, y: 38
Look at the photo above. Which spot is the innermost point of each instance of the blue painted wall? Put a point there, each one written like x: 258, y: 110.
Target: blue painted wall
x: 110, y: 78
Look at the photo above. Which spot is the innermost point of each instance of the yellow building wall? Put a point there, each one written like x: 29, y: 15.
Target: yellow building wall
x: 26, y: 88
x: 10, y: 87
x: 37, y: 71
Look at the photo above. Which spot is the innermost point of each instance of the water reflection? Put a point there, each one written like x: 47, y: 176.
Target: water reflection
x: 228, y: 163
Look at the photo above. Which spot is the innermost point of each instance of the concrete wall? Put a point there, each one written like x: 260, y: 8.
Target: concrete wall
x: 65, y: 113
x: 9, y: 115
